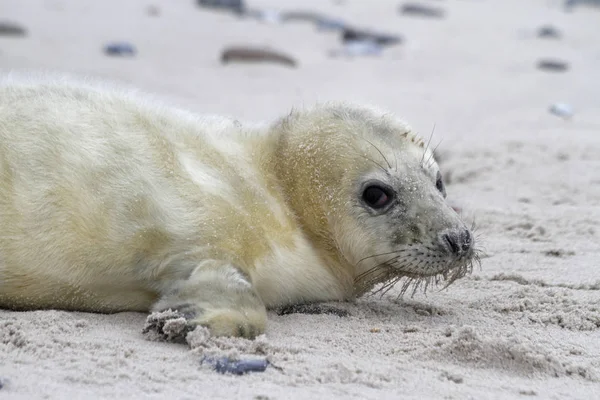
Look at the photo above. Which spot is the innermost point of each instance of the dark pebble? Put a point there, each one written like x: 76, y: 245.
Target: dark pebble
x: 2, y: 382
x: 321, y: 21
x: 382, y: 39
x: 250, y: 54
x: 563, y: 110
x: 312, y: 309
x: 549, y: 32
x: 570, y: 4
x: 553, y: 65
x: 330, y: 24
x: 419, y: 10
x: 358, y: 48
x: 237, y: 6
x: 11, y: 29
x: 224, y: 365
x: 119, y: 49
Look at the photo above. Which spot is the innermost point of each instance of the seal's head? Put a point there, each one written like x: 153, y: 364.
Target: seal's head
x: 370, y: 194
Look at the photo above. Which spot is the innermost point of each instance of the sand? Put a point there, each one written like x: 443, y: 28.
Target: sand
x: 525, y: 325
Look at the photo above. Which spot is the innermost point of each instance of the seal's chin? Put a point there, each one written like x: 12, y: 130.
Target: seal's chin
x: 384, y: 277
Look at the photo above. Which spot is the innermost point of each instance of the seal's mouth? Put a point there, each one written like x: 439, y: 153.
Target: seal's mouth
x: 383, y: 277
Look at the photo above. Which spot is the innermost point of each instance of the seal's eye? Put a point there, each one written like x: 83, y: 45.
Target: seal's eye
x: 377, y: 196
x: 439, y: 184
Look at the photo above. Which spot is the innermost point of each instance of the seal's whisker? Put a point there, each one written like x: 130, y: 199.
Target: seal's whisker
x: 381, y: 254
x: 432, y: 155
x: 427, y: 146
x: 376, y: 163
x: 379, y: 151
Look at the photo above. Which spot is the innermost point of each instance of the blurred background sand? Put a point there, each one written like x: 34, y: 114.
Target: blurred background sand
x: 526, y: 325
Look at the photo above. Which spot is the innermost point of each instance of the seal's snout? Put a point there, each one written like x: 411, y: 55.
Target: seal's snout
x: 457, y: 242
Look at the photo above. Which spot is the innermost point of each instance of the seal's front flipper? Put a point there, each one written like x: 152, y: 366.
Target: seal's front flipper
x: 221, y: 297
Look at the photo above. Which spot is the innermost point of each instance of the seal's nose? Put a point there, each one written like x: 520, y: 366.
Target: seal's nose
x: 457, y: 241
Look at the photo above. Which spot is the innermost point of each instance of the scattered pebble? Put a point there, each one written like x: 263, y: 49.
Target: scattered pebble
x: 375, y: 330
x: 419, y: 10
x: 570, y: 4
x: 312, y: 309
x: 321, y: 22
x: 250, y: 54
x: 562, y: 110
x: 549, y: 32
x: 122, y: 49
x: 382, y: 39
x: 302, y: 16
x: 237, y: 6
x: 153, y: 11
x: 553, y: 65
x: 358, y: 48
x: 330, y: 24
x: 267, y: 16
x: 225, y: 365
x: 11, y: 29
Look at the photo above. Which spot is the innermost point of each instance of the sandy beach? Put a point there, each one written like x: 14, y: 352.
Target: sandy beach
x: 526, y: 325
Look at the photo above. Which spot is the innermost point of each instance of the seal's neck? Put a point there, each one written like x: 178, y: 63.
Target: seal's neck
x: 291, y: 167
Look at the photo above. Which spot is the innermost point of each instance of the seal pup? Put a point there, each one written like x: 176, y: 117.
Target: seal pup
x: 110, y: 202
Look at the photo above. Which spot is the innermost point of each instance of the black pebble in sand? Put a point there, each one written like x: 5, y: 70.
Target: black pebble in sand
x: 236, y: 6
x: 548, y: 32
x: 420, y: 10
x: 383, y: 39
x: 119, y: 49
x: 11, y: 29
x: 253, y: 55
x: 553, y: 65
x: 224, y: 365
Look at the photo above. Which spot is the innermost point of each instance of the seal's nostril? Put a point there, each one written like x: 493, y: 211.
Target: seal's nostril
x: 467, y: 241
x: 452, y: 241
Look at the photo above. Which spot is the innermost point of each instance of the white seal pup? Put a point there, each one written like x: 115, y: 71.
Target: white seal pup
x: 111, y: 203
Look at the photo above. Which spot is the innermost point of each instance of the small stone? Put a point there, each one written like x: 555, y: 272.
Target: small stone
x: 358, y: 48
x: 226, y: 365
x: 330, y: 24
x: 236, y: 6
x: 553, y: 65
x: 382, y: 39
x: 121, y: 49
x: 563, y: 110
x: 253, y: 54
x: 570, y: 4
x: 153, y: 11
x: 419, y: 10
x: 375, y: 330
x: 322, y: 22
x: 548, y: 32
x: 11, y: 29
x: 267, y: 16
